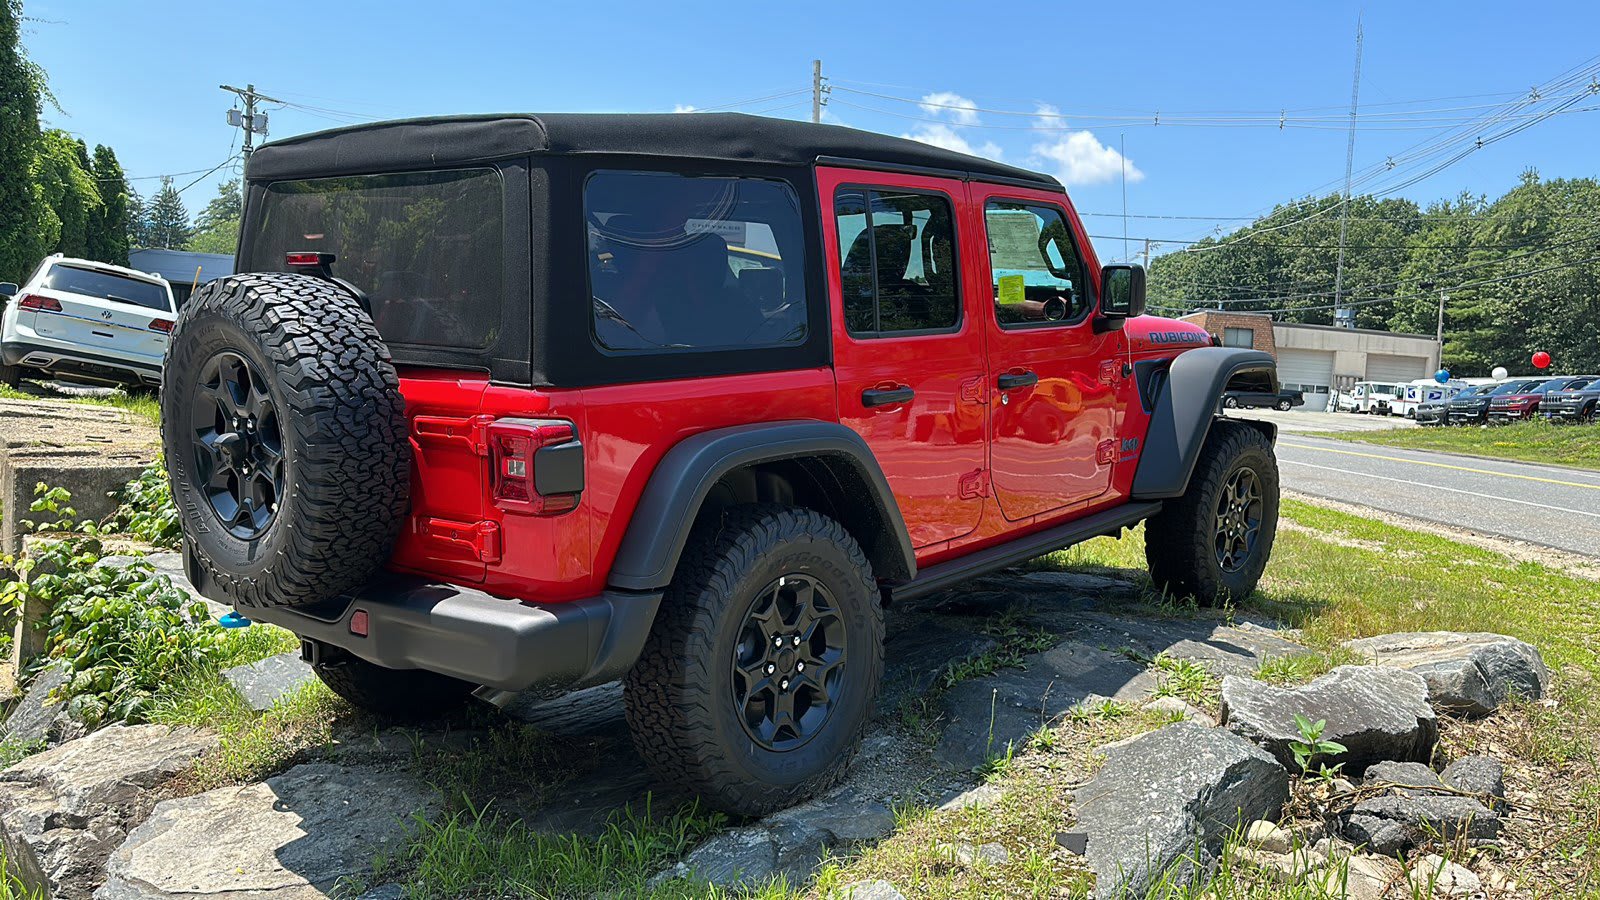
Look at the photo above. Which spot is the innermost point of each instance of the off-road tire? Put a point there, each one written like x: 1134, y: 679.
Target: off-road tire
x: 346, y: 458
x: 412, y: 695
x: 1180, y: 541
x: 680, y: 705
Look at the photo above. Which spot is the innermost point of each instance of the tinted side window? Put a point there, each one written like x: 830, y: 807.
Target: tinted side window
x: 1038, y: 276
x: 679, y: 262
x: 898, y: 261
x: 425, y: 247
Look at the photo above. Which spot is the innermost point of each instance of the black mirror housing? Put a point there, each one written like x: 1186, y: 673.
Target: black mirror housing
x: 1122, y: 296
x: 7, y: 289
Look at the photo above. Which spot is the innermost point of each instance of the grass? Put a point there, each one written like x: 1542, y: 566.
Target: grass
x: 141, y: 405
x: 1534, y: 441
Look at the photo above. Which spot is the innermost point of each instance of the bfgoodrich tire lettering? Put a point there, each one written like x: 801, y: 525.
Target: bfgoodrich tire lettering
x: 680, y: 695
x: 1182, y: 541
x: 345, y: 460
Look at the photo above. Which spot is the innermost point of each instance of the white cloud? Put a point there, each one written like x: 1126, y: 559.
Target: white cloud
x: 948, y: 103
x: 684, y: 108
x: 960, y: 111
x: 1078, y: 157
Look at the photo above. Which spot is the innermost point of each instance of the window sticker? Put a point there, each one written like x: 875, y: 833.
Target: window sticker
x: 1012, y: 290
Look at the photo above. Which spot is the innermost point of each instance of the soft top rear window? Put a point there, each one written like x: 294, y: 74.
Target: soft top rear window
x: 426, y: 247
x: 107, y: 286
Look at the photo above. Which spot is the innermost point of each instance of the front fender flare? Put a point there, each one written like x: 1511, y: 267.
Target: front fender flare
x: 1184, y: 409
x: 659, y: 528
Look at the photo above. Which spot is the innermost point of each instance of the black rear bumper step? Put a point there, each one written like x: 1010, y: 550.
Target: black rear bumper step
x: 945, y: 574
x: 480, y: 638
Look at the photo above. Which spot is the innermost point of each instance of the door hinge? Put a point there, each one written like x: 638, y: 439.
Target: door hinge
x: 470, y: 431
x: 480, y: 539
x: 975, y: 484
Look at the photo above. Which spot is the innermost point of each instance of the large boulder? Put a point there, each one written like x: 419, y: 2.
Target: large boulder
x: 39, y: 716
x: 62, y: 812
x: 1162, y: 796
x: 1378, y: 713
x: 266, y: 681
x: 1469, y: 674
x: 1396, y: 822
x: 292, y: 837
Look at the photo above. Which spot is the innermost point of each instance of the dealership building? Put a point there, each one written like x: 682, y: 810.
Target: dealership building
x: 1315, y: 358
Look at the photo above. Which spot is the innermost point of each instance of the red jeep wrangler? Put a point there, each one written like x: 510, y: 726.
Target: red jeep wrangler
x: 532, y: 403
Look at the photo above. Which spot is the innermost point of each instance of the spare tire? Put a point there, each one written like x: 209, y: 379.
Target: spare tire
x: 286, y: 440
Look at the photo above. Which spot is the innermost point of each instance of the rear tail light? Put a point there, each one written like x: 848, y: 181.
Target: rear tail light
x: 162, y: 325
x: 34, y: 301
x: 537, y: 466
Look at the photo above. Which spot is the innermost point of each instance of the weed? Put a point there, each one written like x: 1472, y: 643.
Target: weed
x: 1185, y: 679
x: 1312, y: 745
x: 1303, y: 667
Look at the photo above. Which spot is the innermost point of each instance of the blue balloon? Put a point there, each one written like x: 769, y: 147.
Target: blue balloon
x: 1442, y: 376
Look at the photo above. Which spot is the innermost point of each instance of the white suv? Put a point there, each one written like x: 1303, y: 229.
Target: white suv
x: 88, y: 321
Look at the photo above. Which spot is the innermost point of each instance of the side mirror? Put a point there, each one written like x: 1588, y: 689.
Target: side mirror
x: 1121, y: 295
x: 7, y: 289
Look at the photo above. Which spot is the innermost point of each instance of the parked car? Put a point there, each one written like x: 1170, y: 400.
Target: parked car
x: 1573, y: 403
x: 681, y: 400
x: 86, y: 320
x: 1473, y: 409
x: 1281, y: 400
x: 1437, y: 411
x: 1524, y: 404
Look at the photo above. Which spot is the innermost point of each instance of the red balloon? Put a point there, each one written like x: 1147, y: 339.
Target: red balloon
x: 1541, y: 360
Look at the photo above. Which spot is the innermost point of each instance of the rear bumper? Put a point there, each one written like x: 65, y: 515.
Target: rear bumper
x: 479, y: 638
x: 73, y: 361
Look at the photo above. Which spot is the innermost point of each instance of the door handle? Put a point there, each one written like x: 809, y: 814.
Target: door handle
x: 886, y: 396
x: 1013, y: 380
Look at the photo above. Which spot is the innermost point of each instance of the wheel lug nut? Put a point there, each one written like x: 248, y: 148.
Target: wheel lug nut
x: 800, y: 665
x: 777, y: 641
x: 771, y: 668
x: 783, y: 685
x: 796, y: 640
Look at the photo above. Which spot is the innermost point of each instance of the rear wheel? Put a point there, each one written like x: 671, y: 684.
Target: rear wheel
x: 10, y: 376
x: 1283, y: 405
x: 1213, y: 542
x: 1230, y: 402
x: 409, y: 694
x: 285, y: 438
x: 762, y: 667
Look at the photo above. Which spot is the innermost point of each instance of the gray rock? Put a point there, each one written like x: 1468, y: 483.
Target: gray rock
x: 1176, y: 706
x: 789, y: 843
x: 264, y: 682
x: 1397, y: 773
x: 1160, y: 796
x: 980, y: 797
x: 1468, y: 674
x: 63, y: 811
x: 877, y: 889
x: 1436, y: 876
x: 1394, y: 823
x: 385, y: 892
x: 1478, y: 774
x: 1377, y: 713
x: 293, y: 836
x: 38, y: 717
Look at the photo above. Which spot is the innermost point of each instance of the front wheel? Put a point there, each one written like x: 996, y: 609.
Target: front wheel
x: 1283, y: 405
x: 762, y: 667
x: 1213, y: 542
x: 1230, y: 402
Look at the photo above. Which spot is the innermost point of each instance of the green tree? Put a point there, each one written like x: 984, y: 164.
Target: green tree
x: 167, y: 219
x: 19, y: 133
x: 217, y: 226
x: 111, y: 230
x: 69, y: 195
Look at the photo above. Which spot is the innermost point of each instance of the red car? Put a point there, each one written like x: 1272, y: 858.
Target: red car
x: 512, y: 403
x: 1524, y: 404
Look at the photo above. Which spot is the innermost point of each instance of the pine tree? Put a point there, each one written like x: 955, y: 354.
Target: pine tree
x: 19, y: 133
x: 168, y: 218
x: 113, y: 228
x: 217, y: 226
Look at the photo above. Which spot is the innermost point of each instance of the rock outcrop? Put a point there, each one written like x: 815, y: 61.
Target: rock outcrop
x: 1469, y: 674
x: 1377, y: 713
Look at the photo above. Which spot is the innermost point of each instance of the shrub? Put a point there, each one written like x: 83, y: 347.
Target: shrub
x: 147, y: 511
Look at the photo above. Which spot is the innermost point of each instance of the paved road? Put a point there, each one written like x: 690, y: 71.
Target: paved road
x: 1549, y: 505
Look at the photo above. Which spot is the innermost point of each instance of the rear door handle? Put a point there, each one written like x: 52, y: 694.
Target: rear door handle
x: 886, y: 396
x: 1013, y: 380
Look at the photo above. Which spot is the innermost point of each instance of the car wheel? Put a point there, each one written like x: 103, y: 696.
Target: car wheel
x: 11, y: 376
x: 1230, y: 402
x: 1213, y: 542
x: 406, y: 694
x: 285, y: 439
x: 762, y: 667
x: 1283, y: 405
x: 1587, y: 417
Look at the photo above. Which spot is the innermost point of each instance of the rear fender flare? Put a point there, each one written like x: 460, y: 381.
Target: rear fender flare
x: 1186, y: 404
x: 666, y: 512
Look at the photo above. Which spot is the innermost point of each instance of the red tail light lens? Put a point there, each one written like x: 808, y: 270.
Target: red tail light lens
x: 162, y: 325
x: 537, y: 466
x: 34, y: 301
x: 308, y: 259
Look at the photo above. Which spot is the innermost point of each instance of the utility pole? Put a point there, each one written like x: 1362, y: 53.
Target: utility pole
x: 1147, y: 254
x: 252, y: 122
x: 1444, y: 297
x: 818, y: 90
x: 1339, y: 312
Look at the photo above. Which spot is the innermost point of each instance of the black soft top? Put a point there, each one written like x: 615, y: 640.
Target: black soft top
x: 408, y: 144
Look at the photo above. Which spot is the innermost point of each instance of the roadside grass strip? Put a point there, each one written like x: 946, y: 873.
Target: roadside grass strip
x: 1533, y: 441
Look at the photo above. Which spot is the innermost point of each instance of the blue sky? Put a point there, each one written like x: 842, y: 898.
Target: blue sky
x: 143, y: 78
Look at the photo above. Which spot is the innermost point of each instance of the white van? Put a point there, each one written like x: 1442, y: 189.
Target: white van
x: 88, y: 321
x: 1423, y: 390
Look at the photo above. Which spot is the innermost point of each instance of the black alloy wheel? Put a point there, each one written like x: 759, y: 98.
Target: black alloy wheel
x: 237, y: 445
x: 1239, y: 513
x: 789, y: 662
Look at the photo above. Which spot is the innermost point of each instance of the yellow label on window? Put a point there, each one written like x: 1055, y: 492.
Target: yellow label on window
x: 1011, y: 290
